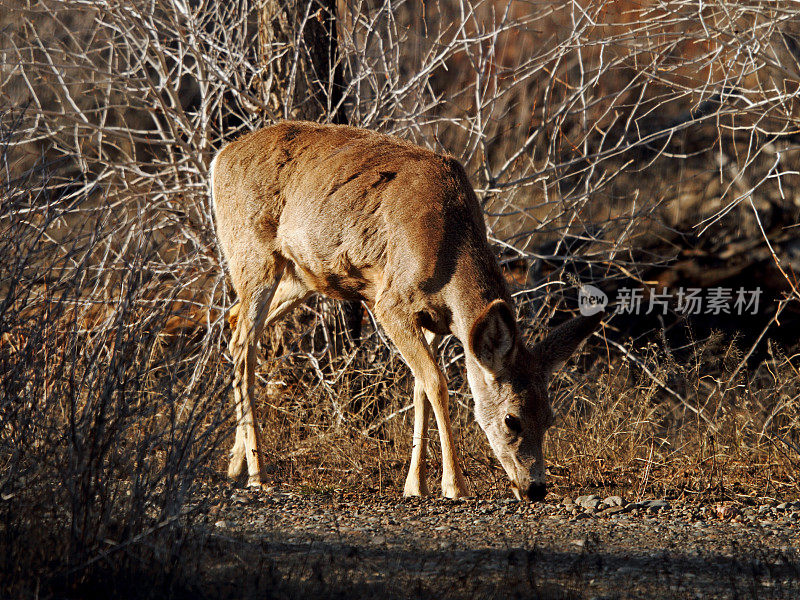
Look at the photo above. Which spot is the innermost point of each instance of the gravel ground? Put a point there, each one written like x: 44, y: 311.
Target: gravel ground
x: 367, y: 546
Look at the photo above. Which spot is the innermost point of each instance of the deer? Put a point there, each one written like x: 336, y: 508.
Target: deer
x: 303, y: 208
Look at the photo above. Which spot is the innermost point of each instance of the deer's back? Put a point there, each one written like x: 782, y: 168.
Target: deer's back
x: 355, y: 211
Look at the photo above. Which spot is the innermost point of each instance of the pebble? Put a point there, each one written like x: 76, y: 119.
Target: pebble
x: 613, y: 510
x: 580, y: 500
x: 636, y: 545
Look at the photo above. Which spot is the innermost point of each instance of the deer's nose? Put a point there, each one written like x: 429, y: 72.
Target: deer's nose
x: 536, y: 492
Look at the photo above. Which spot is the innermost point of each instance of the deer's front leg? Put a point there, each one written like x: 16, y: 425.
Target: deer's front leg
x: 453, y: 485
x: 416, y: 483
x: 418, y: 355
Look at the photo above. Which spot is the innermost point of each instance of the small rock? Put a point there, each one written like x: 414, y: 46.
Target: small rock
x: 613, y: 501
x: 588, y: 501
x: 659, y: 505
x: 223, y: 524
x: 726, y: 511
x: 782, y: 506
x: 578, y: 543
x: 378, y: 540
x: 613, y: 510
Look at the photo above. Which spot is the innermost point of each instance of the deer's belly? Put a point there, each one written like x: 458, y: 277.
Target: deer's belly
x: 338, y: 255
x: 335, y: 275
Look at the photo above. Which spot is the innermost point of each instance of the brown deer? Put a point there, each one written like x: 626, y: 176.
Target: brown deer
x: 356, y: 215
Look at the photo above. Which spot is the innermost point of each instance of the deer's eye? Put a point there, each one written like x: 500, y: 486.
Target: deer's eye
x: 513, y: 423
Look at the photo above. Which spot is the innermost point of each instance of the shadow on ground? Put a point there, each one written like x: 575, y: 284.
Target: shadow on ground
x: 230, y: 567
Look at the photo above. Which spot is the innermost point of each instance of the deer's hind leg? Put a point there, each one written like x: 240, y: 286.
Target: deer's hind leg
x: 254, y: 303
x: 289, y: 293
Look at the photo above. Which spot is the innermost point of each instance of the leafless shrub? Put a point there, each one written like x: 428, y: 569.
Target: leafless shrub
x: 102, y: 432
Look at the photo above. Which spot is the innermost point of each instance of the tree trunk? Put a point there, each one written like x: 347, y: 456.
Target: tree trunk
x: 298, y: 46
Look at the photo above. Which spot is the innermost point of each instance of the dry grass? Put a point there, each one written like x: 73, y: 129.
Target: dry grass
x: 617, y: 430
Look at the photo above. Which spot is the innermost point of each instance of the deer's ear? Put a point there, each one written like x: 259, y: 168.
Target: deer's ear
x: 493, y: 337
x: 561, y: 343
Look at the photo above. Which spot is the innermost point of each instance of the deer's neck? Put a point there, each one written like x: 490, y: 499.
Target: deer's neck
x: 479, y: 281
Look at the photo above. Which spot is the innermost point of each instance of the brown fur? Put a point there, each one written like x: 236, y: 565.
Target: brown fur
x: 335, y: 195
x: 353, y: 214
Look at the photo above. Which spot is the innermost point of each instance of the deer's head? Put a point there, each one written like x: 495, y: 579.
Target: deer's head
x: 509, y: 383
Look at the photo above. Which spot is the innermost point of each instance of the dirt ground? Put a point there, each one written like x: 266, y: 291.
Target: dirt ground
x: 282, y: 544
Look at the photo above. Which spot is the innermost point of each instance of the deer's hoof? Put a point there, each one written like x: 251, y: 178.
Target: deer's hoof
x: 254, y: 483
x: 236, y: 465
x: 454, y: 489
x: 415, y: 488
